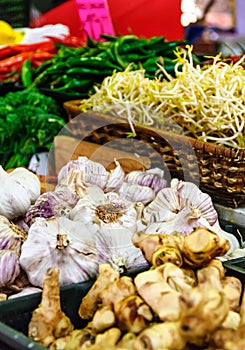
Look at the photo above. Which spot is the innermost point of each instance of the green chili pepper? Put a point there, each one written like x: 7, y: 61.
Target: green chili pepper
x: 75, y: 83
x: 26, y: 73
x: 85, y: 70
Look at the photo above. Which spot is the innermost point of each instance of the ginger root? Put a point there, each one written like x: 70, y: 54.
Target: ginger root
x: 90, y: 302
x: 48, y: 321
x: 159, y: 336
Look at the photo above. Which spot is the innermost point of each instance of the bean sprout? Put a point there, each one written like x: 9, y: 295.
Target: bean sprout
x: 207, y: 101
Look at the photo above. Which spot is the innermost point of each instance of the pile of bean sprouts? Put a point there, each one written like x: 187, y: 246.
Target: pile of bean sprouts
x: 207, y: 101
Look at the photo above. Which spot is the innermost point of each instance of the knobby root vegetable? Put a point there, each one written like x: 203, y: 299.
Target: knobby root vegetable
x: 232, y: 287
x: 133, y: 314
x: 150, y: 243
x: 90, y: 302
x: 202, y: 312
x: 48, y: 321
x: 157, y: 293
x: 164, y: 335
x: 103, y: 319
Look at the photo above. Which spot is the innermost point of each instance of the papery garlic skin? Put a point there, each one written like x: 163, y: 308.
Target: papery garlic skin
x: 137, y: 193
x: 11, y: 236
x: 115, y: 220
x: 62, y: 243
x: 25, y: 291
x: 153, y: 178
x: 82, y: 172
x: 101, y: 208
x: 19, y: 189
x: 9, y: 267
x: 52, y: 204
x: 187, y: 197
x: 115, y: 247
x: 28, y: 180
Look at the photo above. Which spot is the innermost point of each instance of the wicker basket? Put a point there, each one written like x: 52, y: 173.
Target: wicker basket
x: 219, y: 171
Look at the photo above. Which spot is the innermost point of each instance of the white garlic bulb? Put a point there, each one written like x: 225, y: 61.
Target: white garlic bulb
x: 62, y: 243
x: 19, y: 189
x: 115, y: 220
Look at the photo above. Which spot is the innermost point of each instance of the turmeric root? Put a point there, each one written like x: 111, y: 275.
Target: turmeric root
x: 48, y: 322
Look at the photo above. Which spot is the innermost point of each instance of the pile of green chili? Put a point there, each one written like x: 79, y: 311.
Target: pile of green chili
x: 77, y: 70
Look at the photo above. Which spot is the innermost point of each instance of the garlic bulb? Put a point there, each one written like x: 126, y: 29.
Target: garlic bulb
x: 77, y: 174
x: 19, y: 189
x: 9, y: 267
x: 51, y: 204
x: 114, y: 220
x: 62, y: 243
x: 185, y: 200
x: 108, y: 209
x: 11, y: 236
x: 28, y: 180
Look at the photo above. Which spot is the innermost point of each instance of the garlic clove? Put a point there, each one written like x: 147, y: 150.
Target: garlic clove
x: 9, y: 267
x: 52, y: 204
x: 115, y: 179
x: 115, y: 247
x: 137, y: 193
x: 153, y: 178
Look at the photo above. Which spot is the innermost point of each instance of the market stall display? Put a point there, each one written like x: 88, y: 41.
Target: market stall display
x: 160, y: 221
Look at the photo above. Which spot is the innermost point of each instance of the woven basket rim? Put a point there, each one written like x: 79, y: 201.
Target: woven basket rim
x: 204, y: 146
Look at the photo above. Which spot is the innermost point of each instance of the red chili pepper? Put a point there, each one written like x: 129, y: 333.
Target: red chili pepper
x: 8, y: 62
x: 41, y: 46
x: 69, y: 40
x: 7, y: 51
x: 36, y: 63
x: 42, y: 55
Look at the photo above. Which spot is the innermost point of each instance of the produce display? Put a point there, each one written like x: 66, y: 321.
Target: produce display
x: 29, y: 120
x: 205, y: 100
x: 98, y: 224
x: 94, y: 216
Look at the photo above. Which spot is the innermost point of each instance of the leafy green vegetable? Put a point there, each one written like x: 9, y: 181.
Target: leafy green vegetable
x: 29, y: 120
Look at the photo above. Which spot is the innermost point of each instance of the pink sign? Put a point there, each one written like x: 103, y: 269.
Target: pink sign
x: 95, y: 17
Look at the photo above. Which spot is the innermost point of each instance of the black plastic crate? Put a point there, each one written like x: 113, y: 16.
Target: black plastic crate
x: 15, y: 315
x: 236, y: 268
